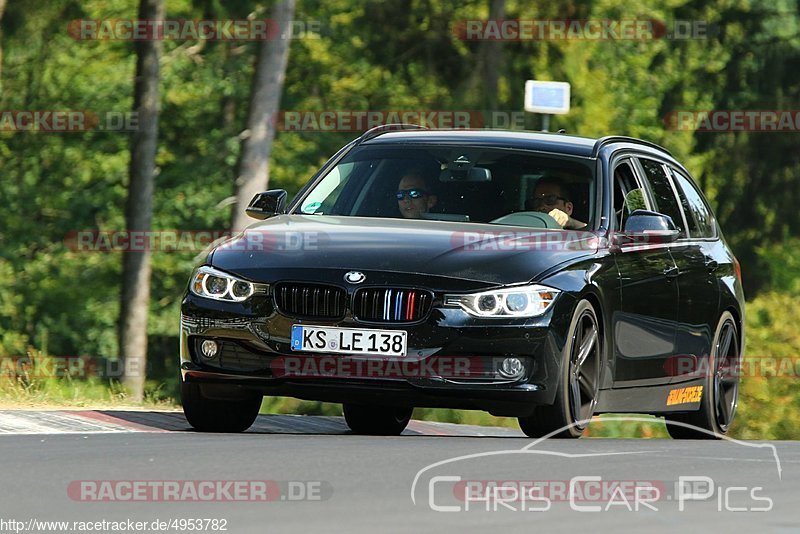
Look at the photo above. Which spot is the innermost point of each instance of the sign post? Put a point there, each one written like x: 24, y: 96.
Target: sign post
x: 548, y: 98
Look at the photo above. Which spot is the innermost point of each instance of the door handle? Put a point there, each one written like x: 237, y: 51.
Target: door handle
x: 671, y: 272
x: 711, y: 265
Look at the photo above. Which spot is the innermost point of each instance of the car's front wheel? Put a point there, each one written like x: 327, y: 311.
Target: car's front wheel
x: 216, y: 415
x: 376, y: 420
x: 579, y: 382
x: 721, y: 390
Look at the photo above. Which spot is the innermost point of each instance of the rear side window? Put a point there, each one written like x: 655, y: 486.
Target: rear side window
x: 663, y: 194
x: 691, y: 222
x: 696, y: 208
x: 628, y: 195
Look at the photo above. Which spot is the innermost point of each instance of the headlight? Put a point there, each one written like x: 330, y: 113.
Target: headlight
x: 213, y: 284
x: 523, y: 301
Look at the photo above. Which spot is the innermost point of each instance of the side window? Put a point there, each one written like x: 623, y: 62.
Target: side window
x: 628, y: 195
x: 663, y: 194
x: 697, y: 209
x: 691, y: 221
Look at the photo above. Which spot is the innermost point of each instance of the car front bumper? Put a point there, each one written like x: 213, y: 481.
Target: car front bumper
x: 453, y: 359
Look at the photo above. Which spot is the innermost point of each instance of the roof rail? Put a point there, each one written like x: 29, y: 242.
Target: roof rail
x: 372, y: 133
x: 600, y: 143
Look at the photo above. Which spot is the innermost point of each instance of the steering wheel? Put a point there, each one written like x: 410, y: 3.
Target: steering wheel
x: 529, y: 219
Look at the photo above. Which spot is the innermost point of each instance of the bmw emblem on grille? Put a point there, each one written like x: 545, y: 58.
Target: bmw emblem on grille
x: 354, y: 277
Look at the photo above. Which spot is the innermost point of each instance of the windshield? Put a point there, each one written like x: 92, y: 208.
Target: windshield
x: 456, y: 183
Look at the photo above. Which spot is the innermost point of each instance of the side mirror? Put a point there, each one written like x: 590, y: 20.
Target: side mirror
x: 267, y: 204
x: 647, y: 227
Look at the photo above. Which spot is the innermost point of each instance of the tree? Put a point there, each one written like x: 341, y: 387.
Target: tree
x: 139, y: 208
x: 265, y: 97
x: 489, y: 61
x: 2, y: 10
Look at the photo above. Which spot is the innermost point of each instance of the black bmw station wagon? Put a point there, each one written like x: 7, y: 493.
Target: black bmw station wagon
x: 541, y: 276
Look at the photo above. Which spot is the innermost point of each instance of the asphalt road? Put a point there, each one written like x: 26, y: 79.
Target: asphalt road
x: 327, y: 480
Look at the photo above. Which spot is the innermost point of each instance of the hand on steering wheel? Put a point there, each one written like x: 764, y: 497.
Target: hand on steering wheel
x: 560, y: 217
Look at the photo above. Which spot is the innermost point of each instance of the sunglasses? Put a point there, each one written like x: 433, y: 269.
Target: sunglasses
x: 547, y: 200
x: 412, y: 193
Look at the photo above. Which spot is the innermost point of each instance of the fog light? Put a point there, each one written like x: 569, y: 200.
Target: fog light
x: 511, y: 368
x: 209, y: 348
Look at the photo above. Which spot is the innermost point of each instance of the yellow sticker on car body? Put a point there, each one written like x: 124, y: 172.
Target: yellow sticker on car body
x: 687, y: 395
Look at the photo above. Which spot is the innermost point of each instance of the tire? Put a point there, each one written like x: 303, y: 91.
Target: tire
x: 721, y: 389
x: 376, y: 420
x: 213, y: 415
x: 579, y: 381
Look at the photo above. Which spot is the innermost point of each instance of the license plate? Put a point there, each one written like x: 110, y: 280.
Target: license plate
x: 348, y: 340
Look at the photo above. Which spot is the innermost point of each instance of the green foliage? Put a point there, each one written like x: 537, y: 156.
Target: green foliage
x: 40, y: 380
x: 781, y: 263
x: 770, y: 399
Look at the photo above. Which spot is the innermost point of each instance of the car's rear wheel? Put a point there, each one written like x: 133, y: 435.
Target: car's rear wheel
x: 376, y: 420
x: 721, y: 391
x: 579, y: 382
x: 214, y: 415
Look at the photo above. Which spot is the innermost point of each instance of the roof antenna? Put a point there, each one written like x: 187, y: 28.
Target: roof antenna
x: 562, y: 130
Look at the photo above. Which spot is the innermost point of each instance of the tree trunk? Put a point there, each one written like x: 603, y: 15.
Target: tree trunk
x: 139, y: 208
x: 265, y: 98
x: 492, y: 52
x: 2, y: 10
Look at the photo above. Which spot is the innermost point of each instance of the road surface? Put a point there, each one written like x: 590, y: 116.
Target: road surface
x: 310, y: 474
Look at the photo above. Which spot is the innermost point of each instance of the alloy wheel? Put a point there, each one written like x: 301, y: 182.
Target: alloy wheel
x: 584, y: 368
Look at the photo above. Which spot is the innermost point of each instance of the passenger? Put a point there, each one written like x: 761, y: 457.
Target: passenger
x: 552, y: 196
x: 414, y: 196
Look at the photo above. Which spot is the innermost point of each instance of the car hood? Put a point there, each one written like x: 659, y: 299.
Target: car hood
x: 294, y: 246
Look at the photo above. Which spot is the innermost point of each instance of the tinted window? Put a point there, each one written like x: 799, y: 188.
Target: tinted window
x: 663, y: 194
x: 697, y: 210
x: 691, y: 222
x: 628, y: 196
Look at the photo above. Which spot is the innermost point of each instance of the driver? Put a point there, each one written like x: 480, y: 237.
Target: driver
x: 414, y: 196
x: 551, y: 196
